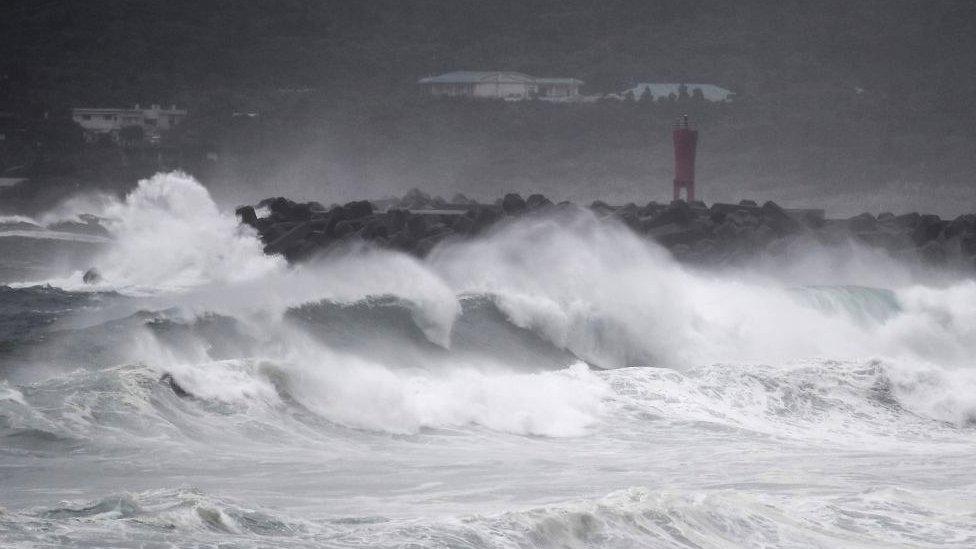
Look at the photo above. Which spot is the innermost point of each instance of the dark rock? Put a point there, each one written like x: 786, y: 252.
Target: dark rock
x: 301, y: 212
x: 652, y: 208
x: 335, y: 215
x: 628, y: 208
x: 601, y: 208
x: 813, y: 220
x: 91, y: 276
x: 360, y: 208
x: 513, y: 204
x: 907, y: 221
x: 396, y: 219
x: 726, y: 231
x: 320, y: 238
x: 744, y: 218
x: 263, y: 224
x: 287, y: 241
x: 90, y: 219
x: 719, y: 211
x: 437, y: 227
x: 678, y: 213
x: 320, y: 221
x: 929, y: 228
x: 485, y: 217
x: 247, y: 215
x: 721, y: 234
x: 277, y: 230
x: 862, y: 223
x: 536, y: 201
x: 283, y: 209
x: 962, y: 225
x: 631, y: 219
x: 167, y: 378
x: 376, y: 227
x: 403, y: 241
x: 673, y: 234
x: 463, y: 225
x: 346, y: 227
x: 778, y: 220
x: 417, y: 226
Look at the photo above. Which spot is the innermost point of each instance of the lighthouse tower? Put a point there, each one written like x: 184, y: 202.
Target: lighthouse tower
x: 685, y: 143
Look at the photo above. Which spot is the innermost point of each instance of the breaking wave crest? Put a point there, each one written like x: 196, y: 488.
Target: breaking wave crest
x: 551, y: 339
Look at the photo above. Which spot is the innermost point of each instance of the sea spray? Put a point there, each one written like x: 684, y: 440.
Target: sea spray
x: 169, y: 235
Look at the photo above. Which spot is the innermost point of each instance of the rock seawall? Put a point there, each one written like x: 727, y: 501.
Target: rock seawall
x: 720, y: 234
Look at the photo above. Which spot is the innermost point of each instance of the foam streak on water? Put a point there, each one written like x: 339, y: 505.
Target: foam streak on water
x: 558, y: 382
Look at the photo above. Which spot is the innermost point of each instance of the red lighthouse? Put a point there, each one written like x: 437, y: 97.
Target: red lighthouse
x: 685, y: 143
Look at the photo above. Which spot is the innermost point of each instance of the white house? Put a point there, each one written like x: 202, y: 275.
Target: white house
x: 511, y: 86
x: 709, y: 92
x: 106, y: 121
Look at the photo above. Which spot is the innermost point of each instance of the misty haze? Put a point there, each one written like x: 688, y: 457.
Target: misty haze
x: 488, y: 274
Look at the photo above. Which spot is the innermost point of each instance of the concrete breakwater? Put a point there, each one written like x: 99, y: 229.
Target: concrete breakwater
x: 715, y: 235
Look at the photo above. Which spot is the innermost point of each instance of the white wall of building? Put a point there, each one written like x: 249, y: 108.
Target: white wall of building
x: 152, y: 120
x: 502, y: 90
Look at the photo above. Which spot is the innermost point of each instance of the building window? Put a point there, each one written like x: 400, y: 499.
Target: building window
x: 108, y: 117
x: 150, y: 121
x: 86, y: 117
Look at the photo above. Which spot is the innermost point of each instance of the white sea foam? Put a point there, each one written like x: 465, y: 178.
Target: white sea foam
x: 772, y: 415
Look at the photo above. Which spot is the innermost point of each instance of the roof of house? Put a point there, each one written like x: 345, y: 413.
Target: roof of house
x: 506, y: 77
x: 558, y: 81
x: 711, y: 92
x: 474, y: 77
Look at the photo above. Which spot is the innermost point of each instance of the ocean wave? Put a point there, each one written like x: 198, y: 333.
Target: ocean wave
x: 588, y: 287
x: 633, y: 517
x: 308, y: 399
x: 150, y: 517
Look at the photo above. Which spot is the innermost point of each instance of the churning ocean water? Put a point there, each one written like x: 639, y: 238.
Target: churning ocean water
x: 556, y: 383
